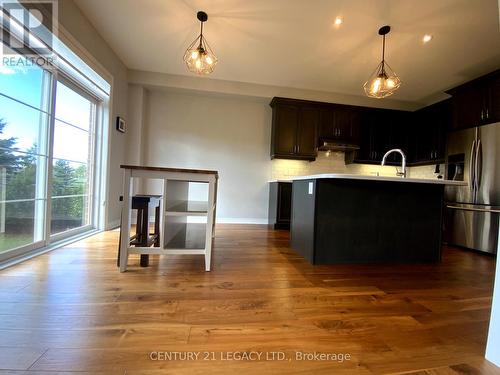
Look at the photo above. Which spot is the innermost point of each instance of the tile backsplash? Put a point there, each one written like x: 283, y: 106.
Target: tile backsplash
x: 334, y: 163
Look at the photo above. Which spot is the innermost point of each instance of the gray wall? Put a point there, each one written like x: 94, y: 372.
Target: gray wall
x: 230, y: 134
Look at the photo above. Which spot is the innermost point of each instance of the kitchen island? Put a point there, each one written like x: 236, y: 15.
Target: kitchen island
x: 341, y: 218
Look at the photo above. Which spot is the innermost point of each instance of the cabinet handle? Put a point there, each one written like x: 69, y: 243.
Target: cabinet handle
x: 298, y: 149
x: 487, y: 113
x: 482, y: 114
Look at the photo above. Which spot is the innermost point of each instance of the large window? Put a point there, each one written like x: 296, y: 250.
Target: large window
x: 72, y: 172
x: 24, y: 123
x: 48, y: 147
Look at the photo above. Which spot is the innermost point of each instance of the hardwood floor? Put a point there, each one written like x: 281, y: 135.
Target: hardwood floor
x: 70, y: 311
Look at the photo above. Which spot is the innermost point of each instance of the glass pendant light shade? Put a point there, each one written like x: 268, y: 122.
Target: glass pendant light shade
x: 199, y: 57
x: 384, y: 81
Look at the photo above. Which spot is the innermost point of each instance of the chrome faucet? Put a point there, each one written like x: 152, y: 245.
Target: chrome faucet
x: 403, y: 163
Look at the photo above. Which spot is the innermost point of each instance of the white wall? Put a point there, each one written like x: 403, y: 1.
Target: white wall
x: 86, y: 42
x: 226, y: 133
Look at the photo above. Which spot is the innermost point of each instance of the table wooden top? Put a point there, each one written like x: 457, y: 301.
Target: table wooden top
x: 163, y: 169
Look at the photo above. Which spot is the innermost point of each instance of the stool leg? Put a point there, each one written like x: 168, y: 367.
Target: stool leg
x: 138, y: 226
x: 145, y: 236
x: 119, y: 242
x: 157, y: 227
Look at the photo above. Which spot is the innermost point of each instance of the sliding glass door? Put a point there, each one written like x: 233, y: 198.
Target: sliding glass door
x: 24, y: 125
x: 47, y: 159
x: 73, y: 160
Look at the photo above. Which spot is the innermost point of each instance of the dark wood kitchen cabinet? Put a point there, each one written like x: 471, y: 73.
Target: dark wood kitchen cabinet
x: 294, y: 129
x: 373, y: 138
x: 399, y: 123
x: 280, y: 204
x: 339, y: 123
x: 493, y: 99
x: 429, y: 133
x: 476, y: 103
x: 381, y: 131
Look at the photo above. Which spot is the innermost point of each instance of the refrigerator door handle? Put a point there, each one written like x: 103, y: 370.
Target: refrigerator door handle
x: 472, y: 163
x: 473, y: 209
x: 478, y: 165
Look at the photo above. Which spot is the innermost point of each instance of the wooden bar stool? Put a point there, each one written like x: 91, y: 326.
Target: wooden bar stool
x: 142, y: 237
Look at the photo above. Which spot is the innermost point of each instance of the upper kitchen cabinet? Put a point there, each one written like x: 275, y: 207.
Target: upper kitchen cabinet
x: 399, y: 124
x: 476, y: 103
x: 493, y: 99
x: 380, y: 131
x: 294, y: 129
x: 307, y: 131
x: 339, y: 123
x: 429, y: 134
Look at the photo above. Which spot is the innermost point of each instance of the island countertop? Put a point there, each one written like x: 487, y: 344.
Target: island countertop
x: 379, y: 178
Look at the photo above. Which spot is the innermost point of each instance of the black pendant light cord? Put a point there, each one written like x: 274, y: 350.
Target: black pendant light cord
x: 383, y: 54
x: 201, y: 35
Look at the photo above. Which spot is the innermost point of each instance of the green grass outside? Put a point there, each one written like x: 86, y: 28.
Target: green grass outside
x: 10, y: 241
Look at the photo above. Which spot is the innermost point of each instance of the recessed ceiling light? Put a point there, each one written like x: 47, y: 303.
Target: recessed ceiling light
x: 338, y: 21
x: 426, y: 38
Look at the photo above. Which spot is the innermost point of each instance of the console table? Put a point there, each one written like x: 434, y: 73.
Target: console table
x: 177, y: 236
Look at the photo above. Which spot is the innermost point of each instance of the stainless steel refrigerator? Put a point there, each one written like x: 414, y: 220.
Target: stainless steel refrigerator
x: 472, y: 212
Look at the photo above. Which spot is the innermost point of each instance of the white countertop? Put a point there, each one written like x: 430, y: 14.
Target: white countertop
x: 378, y: 178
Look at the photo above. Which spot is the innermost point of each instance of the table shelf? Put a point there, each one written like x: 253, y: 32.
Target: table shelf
x: 188, y: 236
x: 186, y: 207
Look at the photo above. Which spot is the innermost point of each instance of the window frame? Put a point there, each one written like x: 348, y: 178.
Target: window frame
x: 93, y: 193
x: 99, y: 163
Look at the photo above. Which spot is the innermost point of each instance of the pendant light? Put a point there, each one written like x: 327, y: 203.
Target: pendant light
x: 199, y: 57
x: 383, y: 82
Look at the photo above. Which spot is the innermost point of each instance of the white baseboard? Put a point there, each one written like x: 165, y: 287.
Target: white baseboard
x: 200, y: 219
x: 240, y: 220
x: 228, y: 220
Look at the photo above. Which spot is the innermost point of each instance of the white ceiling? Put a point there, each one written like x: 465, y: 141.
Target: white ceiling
x: 293, y: 43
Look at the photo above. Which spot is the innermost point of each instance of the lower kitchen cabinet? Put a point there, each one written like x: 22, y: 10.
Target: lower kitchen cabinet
x: 280, y: 204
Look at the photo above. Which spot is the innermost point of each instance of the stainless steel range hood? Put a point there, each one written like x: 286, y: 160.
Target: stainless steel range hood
x: 330, y: 145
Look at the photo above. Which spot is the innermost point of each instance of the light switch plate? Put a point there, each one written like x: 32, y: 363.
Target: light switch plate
x: 310, y: 188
